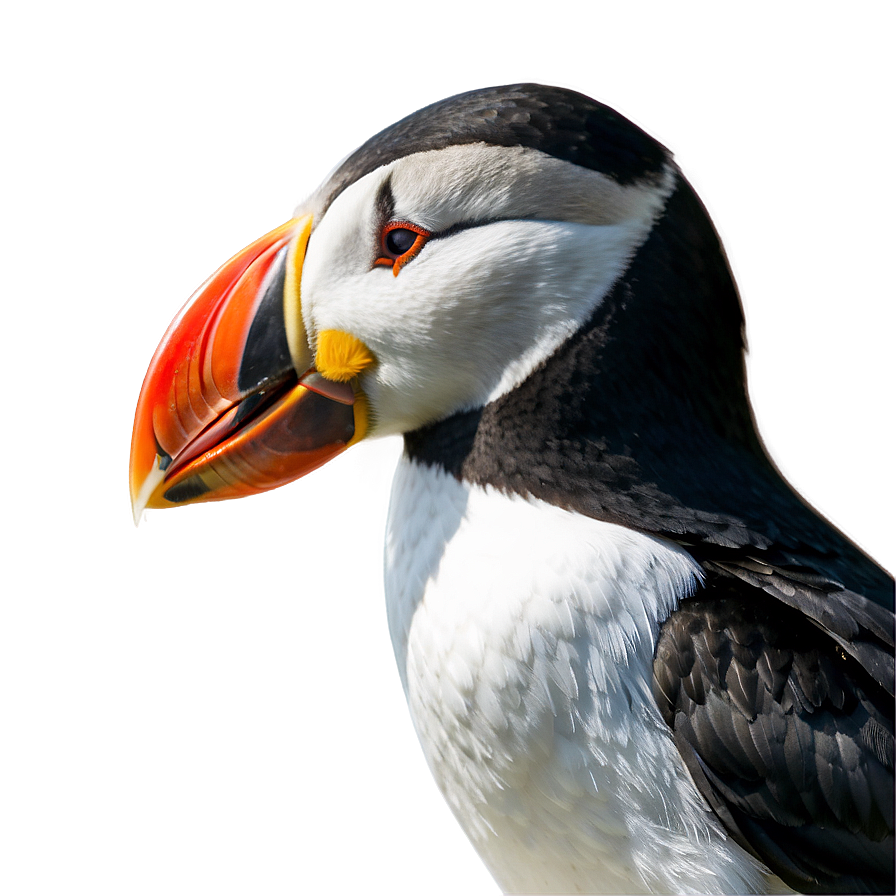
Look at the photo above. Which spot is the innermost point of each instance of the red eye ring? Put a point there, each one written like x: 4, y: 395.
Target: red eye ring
x: 400, y: 241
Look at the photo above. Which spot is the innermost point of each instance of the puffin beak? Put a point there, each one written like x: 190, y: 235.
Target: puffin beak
x: 231, y: 404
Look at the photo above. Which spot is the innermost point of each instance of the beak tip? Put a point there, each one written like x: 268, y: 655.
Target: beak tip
x: 138, y: 510
x: 143, y: 490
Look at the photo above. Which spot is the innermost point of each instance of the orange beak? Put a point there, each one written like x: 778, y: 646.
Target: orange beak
x: 231, y: 405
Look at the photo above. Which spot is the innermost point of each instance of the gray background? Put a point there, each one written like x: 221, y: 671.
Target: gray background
x: 206, y: 705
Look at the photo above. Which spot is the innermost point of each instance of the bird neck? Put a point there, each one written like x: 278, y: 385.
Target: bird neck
x: 640, y: 414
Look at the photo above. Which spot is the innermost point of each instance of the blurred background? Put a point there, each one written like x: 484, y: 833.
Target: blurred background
x: 209, y: 704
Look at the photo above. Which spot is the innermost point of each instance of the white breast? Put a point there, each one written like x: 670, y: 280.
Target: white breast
x: 524, y: 636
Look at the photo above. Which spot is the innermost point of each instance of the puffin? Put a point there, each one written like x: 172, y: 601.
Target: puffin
x: 635, y: 658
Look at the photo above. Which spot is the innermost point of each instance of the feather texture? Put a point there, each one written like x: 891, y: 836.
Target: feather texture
x: 786, y: 735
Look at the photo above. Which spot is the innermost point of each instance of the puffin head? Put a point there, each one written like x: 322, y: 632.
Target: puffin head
x: 434, y: 271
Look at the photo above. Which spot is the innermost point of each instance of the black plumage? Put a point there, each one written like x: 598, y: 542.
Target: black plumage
x: 561, y: 123
x: 788, y: 738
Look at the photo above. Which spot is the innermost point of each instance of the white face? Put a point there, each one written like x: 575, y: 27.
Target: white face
x: 523, y: 248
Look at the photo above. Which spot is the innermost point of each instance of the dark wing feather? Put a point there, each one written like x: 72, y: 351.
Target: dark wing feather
x: 785, y: 729
x: 862, y: 628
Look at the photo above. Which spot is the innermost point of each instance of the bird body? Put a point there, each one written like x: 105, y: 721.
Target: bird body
x: 636, y: 659
x: 534, y: 706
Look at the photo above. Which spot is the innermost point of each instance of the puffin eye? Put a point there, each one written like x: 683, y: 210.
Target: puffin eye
x: 399, y: 240
x: 399, y: 243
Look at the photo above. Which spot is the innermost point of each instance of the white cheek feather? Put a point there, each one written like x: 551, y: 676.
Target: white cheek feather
x: 478, y: 309
x: 524, y: 637
x: 473, y: 315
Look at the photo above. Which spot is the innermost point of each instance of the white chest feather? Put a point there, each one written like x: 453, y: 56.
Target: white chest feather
x: 524, y: 636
